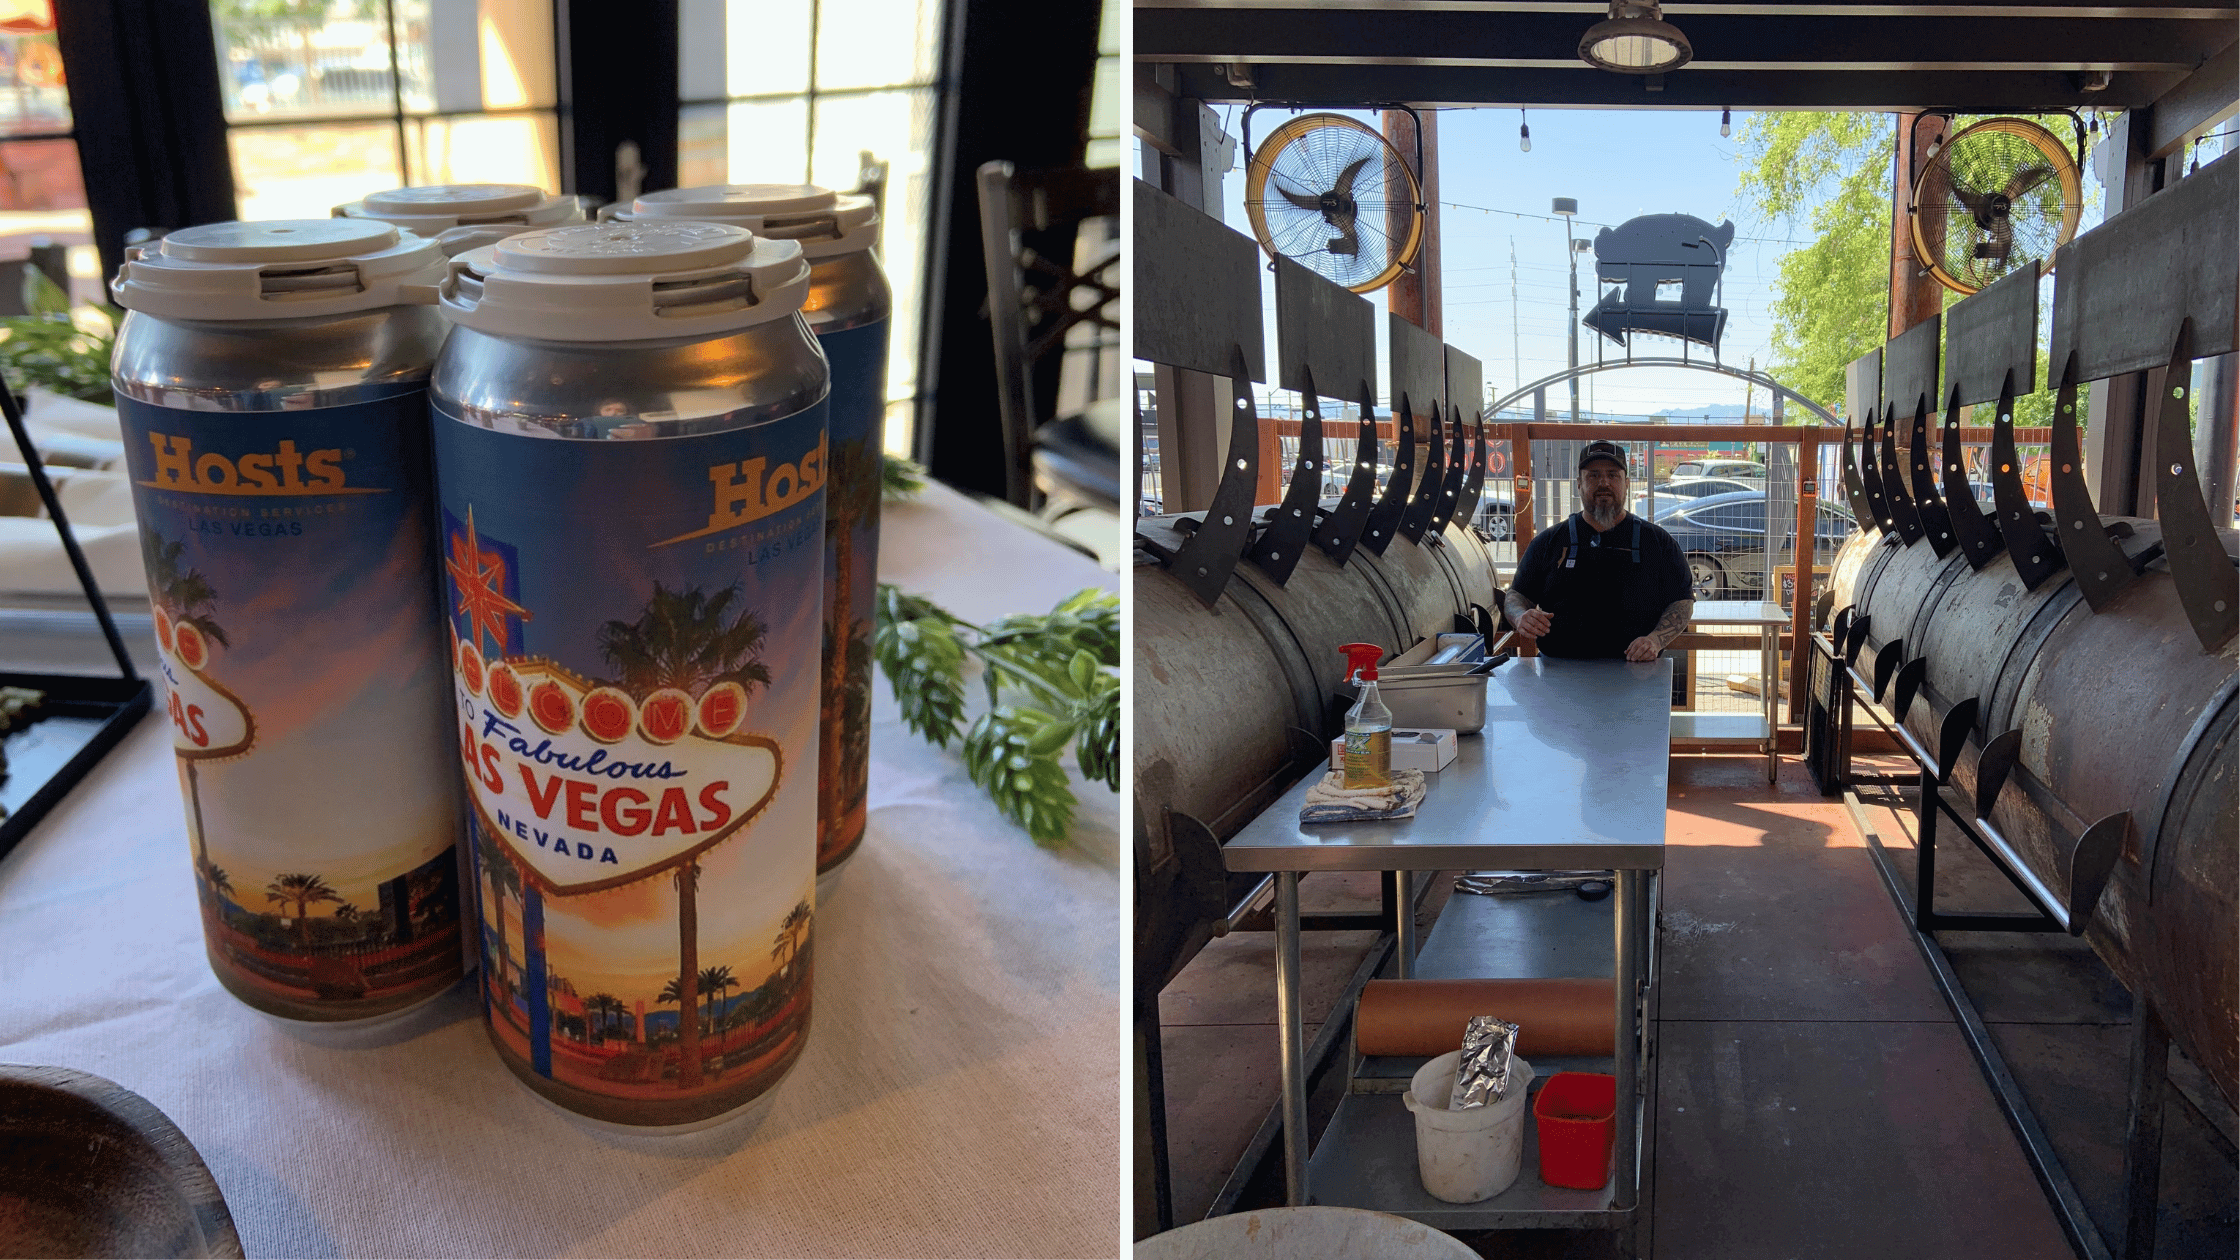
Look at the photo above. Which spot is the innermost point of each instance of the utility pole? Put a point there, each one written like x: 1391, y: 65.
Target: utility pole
x: 1567, y: 207
x: 1516, y: 355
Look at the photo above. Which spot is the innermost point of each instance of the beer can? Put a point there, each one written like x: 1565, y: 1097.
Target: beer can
x: 848, y: 308
x: 630, y: 456
x: 271, y: 382
x: 460, y: 217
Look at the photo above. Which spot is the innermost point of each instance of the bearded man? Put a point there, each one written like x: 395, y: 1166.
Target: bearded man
x: 1603, y: 584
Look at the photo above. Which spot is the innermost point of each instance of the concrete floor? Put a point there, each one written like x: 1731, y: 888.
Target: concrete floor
x: 1815, y: 1096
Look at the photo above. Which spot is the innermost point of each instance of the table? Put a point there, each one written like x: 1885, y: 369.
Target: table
x: 1569, y: 773
x: 958, y: 1095
x: 1764, y: 728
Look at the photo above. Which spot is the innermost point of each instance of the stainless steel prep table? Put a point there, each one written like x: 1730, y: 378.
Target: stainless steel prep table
x: 1762, y: 729
x: 1568, y: 774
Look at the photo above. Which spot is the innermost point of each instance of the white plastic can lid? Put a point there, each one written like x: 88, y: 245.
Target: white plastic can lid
x: 625, y: 282
x: 278, y: 269
x: 465, y: 216
x: 825, y: 222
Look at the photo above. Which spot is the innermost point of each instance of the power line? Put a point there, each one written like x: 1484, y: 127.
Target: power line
x: 1549, y: 218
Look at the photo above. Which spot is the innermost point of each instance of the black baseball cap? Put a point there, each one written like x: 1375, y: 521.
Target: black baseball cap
x: 1602, y: 449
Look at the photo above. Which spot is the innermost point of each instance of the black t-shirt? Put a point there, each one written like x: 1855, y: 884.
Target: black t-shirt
x: 1601, y: 598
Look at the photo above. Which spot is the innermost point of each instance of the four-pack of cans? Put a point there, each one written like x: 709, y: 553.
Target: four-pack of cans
x: 512, y: 578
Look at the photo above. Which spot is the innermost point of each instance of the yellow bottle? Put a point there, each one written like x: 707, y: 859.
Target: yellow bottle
x: 1368, y: 724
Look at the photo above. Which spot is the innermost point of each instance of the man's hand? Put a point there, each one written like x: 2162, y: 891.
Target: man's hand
x: 1645, y: 648
x: 1535, y: 623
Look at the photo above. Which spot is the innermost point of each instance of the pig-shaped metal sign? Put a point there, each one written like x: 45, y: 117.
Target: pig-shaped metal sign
x: 1668, y: 266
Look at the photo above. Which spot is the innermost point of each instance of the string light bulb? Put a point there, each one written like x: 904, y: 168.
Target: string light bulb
x: 1524, y: 133
x: 1726, y: 122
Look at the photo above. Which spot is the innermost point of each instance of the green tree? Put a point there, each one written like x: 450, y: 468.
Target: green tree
x: 1831, y: 174
x: 304, y: 891
x: 504, y: 877
x: 715, y: 982
x: 184, y: 593
x: 681, y: 640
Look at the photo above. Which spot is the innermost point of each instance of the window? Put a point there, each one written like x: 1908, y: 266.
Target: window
x: 1105, y: 96
x: 327, y: 100
x: 42, y: 194
x: 803, y: 91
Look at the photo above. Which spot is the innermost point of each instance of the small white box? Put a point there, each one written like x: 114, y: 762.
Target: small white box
x: 1425, y: 750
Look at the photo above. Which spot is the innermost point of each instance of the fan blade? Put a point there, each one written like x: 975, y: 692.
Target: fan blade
x: 1349, y: 174
x: 2024, y: 180
x: 1978, y: 204
x: 1304, y: 203
x: 1348, y: 244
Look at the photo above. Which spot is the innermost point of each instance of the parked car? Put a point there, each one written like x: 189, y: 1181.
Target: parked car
x: 1496, y: 517
x: 1748, y: 469
x: 1724, y: 539
x: 1670, y: 493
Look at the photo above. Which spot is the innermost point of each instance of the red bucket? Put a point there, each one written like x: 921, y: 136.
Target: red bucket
x: 1575, y: 1115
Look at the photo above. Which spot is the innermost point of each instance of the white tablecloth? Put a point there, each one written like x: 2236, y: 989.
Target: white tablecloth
x: 960, y: 1094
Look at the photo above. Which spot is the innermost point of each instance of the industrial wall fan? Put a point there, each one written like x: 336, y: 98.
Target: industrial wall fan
x: 2001, y: 193
x: 1331, y: 194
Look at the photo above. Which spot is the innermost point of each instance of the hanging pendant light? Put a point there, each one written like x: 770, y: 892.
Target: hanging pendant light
x: 1726, y: 122
x: 1635, y: 39
x: 1524, y: 133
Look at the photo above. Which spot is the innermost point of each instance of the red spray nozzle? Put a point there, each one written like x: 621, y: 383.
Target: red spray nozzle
x: 1364, y: 658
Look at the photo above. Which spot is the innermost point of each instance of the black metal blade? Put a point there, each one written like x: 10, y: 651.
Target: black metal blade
x: 1207, y: 558
x: 1935, y: 521
x: 1902, y: 511
x: 1993, y: 767
x: 2094, y: 559
x: 1978, y: 533
x: 1279, y: 546
x: 1458, y: 466
x: 1384, y: 519
x: 1341, y: 529
x: 1952, y: 736
x: 1870, y: 479
x: 2036, y: 557
x: 1886, y: 663
x: 1425, y: 501
x: 1474, y: 484
x: 1910, y: 677
x: 2092, y: 862
x: 1854, y: 490
x: 2208, y: 585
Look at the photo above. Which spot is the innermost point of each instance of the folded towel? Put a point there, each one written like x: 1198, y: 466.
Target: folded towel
x: 1331, y: 801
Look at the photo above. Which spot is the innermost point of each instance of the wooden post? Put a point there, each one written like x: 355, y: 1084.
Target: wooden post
x: 1914, y: 296
x: 1807, y: 554
x: 1273, y: 472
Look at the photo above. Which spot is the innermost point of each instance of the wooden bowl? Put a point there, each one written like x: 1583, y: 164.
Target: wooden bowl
x: 89, y: 1168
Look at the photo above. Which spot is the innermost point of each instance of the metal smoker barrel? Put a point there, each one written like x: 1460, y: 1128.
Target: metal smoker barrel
x: 2119, y: 711
x: 1224, y: 687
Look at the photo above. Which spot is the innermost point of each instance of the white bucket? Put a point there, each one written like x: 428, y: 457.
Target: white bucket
x: 1304, y: 1233
x: 1473, y: 1154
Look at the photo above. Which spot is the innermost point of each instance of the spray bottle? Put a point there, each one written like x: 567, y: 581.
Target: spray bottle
x: 1368, y: 723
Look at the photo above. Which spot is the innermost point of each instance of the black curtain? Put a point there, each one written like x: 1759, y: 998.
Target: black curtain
x: 150, y: 122
x: 1020, y: 74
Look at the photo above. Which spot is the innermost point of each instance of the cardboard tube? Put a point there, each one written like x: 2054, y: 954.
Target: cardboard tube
x: 1423, y: 1017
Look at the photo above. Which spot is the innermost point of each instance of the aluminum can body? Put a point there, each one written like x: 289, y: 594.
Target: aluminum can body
x: 848, y: 309
x: 633, y: 540
x: 282, y: 479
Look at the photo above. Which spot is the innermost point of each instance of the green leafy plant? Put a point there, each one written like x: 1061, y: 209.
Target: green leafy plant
x: 1050, y: 680
x: 56, y: 348
x: 901, y: 479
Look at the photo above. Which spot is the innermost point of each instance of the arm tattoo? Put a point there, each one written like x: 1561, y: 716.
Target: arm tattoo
x: 1674, y: 620
x: 1516, y: 604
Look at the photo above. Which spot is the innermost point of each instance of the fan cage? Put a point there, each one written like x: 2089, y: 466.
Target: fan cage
x: 1306, y: 157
